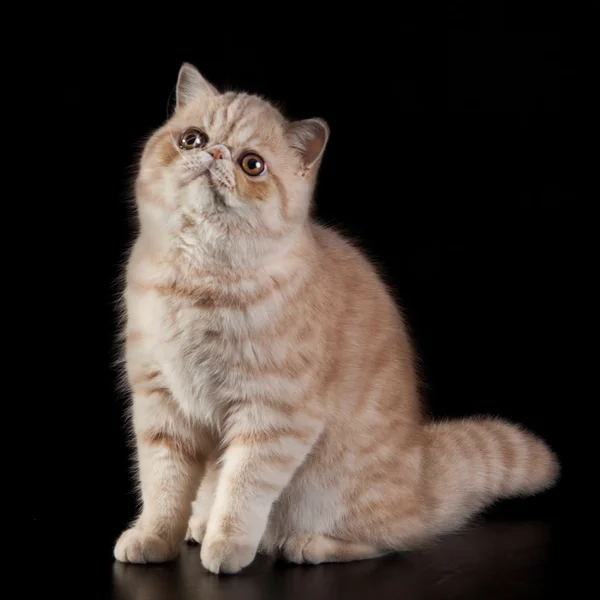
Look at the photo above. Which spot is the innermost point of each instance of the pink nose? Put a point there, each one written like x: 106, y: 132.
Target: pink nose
x: 217, y: 153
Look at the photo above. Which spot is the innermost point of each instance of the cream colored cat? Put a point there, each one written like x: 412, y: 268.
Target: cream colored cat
x: 272, y: 377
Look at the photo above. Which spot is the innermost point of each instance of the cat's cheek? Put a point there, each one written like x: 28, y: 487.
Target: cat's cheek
x: 258, y: 189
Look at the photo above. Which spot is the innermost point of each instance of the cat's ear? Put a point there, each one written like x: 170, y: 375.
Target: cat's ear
x: 308, y: 138
x: 191, y: 86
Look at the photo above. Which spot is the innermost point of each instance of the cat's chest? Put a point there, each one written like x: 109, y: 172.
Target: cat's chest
x: 212, y: 359
x: 215, y: 346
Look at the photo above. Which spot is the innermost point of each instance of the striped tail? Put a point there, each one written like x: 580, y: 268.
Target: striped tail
x: 473, y: 462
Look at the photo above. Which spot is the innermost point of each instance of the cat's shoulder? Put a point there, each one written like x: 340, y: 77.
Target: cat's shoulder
x: 334, y: 238
x: 338, y: 243
x: 345, y: 255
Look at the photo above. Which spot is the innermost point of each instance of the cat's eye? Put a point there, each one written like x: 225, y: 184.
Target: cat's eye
x: 192, y: 138
x: 253, y: 164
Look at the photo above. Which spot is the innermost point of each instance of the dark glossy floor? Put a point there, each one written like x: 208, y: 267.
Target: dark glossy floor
x: 501, y: 557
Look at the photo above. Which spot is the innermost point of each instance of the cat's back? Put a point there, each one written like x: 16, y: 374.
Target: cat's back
x: 352, y: 279
x: 366, y: 328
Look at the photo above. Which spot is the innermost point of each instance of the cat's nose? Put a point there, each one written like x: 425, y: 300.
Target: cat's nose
x: 218, y: 152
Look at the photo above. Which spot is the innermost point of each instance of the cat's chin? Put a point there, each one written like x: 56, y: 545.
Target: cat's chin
x: 218, y: 199
x: 210, y: 196
x: 195, y: 179
x: 200, y: 176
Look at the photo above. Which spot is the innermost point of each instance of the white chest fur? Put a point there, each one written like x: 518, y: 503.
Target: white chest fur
x: 211, y: 356
x: 189, y: 348
x: 210, y: 359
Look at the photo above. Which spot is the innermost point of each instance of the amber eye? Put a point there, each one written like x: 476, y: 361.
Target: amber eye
x: 253, y: 164
x: 192, y: 138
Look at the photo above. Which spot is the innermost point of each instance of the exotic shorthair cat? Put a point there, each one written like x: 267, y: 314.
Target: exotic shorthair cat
x: 275, y: 402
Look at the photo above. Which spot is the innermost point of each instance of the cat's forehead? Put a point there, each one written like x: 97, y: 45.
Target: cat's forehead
x: 237, y: 120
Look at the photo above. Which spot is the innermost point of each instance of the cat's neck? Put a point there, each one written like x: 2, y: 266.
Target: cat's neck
x: 240, y: 258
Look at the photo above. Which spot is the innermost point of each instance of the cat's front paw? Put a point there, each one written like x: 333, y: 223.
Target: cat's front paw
x: 226, y: 555
x: 135, y: 546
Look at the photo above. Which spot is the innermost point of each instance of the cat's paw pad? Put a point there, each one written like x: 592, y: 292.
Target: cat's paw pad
x: 135, y: 546
x: 195, y: 531
x: 222, y: 555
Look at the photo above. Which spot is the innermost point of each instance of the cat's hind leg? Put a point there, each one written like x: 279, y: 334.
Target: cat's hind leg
x: 316, y: 548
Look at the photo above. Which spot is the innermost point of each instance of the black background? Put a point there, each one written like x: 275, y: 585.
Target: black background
x: 448, y: 161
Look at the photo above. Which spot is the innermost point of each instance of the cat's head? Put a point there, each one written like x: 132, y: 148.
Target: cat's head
x: 230, y: 162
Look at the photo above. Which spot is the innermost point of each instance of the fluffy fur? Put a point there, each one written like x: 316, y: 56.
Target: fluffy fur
x: 272, y: 378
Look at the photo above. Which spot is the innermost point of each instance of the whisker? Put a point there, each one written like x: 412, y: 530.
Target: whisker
x: 221, y: 178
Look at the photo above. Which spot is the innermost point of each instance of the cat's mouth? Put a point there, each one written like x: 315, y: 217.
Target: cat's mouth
x: 214, y: 177
x: 201, y: 174
x: 220, y: 179
x: 198, y: 174
x: 214, y: 180
x: 214, y: 184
